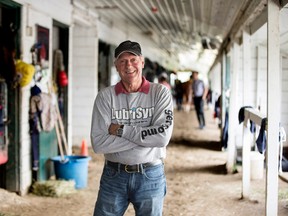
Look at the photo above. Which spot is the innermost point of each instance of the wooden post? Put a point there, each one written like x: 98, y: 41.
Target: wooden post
x: 233, y: 112
x: 246, y: 148
x: 273, y: 111
x: 246, y: 68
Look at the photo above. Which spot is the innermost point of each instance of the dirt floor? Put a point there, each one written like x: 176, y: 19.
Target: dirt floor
x: 197, y: 183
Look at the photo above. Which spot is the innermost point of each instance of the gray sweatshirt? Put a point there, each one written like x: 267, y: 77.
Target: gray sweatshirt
x: 147, y: 116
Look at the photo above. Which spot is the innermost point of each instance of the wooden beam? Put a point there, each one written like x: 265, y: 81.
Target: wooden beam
x: 283, y: 3
x: 259, y: 21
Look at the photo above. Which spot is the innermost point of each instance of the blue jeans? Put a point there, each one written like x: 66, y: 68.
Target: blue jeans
x: 199, y: 107
x: 145, y: 190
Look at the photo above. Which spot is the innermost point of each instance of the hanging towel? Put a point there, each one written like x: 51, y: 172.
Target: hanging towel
x: 252, y: 127
x: 241, y: 113
x: 44, y: 104
x: 284, y: 164
x: 48, y: 112
x: 224, y: 138
x: 261, y: 140
x: 241, y: 118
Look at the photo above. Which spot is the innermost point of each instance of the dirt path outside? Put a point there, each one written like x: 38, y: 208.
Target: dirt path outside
x: 197, y: 183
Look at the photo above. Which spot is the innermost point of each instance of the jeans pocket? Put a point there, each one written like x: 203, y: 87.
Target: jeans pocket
x: 155, y: 172
x: 109, y: 172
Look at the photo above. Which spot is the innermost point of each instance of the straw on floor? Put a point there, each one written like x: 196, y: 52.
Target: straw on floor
x: 54, y: 188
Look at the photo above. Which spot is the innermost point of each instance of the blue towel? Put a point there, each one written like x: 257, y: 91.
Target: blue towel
x: 241, y: 116
x: 261, y: 140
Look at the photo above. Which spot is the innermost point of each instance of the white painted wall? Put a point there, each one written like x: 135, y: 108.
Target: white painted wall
x: 284, y: 96
x: 215, y: 81
x: 261, y: 84
x: 85, y: 81
x: 256, y: 86
x: 257, y: 82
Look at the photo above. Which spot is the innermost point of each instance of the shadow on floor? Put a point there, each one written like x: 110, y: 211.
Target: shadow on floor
x: 212, y: 169
x: 210, y: 145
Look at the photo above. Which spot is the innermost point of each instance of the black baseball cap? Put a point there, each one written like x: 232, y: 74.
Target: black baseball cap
x: 128, y: 46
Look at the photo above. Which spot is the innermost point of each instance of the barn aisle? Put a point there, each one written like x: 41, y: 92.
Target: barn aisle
x: 196, y: 174
x: 197, y: 183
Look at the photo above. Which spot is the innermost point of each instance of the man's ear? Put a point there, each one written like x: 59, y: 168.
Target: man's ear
x: 115, y: 66
x: 143, y: 62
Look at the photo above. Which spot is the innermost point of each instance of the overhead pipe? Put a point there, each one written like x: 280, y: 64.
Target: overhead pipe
x: 139, y: 23
x: 166, y: 25
x: 170, y: 16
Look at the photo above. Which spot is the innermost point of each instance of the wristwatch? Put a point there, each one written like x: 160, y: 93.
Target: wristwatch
x: 120, y: 131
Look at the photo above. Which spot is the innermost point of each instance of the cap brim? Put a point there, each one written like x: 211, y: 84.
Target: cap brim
x: 134, y: 53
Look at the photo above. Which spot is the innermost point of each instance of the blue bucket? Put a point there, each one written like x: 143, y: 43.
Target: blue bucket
x: 72, y: 168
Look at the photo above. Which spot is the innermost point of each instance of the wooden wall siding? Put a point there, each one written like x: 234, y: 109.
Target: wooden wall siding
x: 262, y: 79
x: 41, y: 13
x: 284, y: 96
x: 85, y: 79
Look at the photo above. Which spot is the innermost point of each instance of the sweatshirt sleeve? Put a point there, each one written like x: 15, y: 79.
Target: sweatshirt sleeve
x: 158, y: 134
x: 102, y: 141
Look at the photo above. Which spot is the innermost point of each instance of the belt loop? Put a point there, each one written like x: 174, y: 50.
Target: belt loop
x: 119, y: 167
x: 141, y: 168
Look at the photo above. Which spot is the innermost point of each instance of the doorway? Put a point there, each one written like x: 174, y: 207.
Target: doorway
x: 10, y: 49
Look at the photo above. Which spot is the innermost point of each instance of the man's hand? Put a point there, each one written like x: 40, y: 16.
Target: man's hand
x: 113, y: 129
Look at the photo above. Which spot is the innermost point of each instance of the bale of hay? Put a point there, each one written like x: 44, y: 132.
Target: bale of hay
x: 54, y: 188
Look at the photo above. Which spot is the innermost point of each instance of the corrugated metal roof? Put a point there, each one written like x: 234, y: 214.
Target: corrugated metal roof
x: 195, y: 28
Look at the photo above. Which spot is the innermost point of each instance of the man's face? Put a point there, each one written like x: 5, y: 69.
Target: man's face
x: 195, y: 75
x: 129, y: 67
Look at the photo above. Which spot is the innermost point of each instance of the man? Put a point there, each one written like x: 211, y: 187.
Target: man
x: 163, y: 80
x: 132, y: 124
x: 199, y: 95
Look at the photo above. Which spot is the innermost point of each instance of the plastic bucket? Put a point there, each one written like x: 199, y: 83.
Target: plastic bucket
x: 256, y: 165
x: 72, y: 168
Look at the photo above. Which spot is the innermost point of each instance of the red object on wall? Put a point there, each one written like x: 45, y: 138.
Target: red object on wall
x: 62, y: 78
x: 3, y: 157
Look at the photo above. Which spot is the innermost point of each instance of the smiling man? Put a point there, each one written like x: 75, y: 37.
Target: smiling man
x: 132, y: 124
